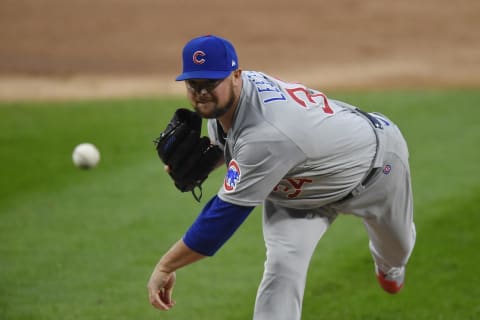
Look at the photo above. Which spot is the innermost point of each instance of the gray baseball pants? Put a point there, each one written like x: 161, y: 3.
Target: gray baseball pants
x: 385, y: 204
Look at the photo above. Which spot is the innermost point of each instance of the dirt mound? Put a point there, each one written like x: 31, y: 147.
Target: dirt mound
x: 55, y: 48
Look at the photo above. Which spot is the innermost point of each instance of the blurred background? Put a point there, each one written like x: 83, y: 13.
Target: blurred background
x: 81, y: 244
x: 55, y: 48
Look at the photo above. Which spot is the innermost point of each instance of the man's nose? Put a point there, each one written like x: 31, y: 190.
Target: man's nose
x: 203, y: 91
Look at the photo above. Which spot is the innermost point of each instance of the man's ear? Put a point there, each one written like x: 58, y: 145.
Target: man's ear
x: 237, y: 73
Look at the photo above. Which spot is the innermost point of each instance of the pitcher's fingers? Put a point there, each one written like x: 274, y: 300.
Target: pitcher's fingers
x: 156, y: 301
x: 166, y: 297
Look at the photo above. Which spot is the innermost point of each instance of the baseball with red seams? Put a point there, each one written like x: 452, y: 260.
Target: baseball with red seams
x: 86, y: 156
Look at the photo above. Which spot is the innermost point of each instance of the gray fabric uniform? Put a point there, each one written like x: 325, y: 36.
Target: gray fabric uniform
x: 306, y: 158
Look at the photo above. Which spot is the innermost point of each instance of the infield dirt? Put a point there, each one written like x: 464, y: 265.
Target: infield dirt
x: 54, y: 49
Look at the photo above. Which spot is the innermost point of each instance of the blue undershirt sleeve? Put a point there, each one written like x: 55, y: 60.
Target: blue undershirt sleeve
x: 215, y: 225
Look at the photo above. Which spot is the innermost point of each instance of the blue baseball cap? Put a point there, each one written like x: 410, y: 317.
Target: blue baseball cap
x: 208, y: 57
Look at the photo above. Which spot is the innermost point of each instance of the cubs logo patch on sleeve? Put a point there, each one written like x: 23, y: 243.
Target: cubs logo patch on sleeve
x: 232, y: 178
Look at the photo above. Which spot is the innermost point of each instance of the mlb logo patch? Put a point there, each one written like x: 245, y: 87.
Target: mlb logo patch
x: 387, y: 168
x: 232, y: 178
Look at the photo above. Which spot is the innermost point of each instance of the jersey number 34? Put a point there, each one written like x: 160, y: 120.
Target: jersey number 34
x: 306, y: 98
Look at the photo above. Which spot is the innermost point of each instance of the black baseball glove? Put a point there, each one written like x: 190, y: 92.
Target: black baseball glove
x: 190, y: 157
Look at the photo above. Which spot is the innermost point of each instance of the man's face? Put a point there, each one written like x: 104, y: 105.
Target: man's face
x: 213, y: 98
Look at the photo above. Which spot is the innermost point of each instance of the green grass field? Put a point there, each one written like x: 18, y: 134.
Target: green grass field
x: 81, y: 244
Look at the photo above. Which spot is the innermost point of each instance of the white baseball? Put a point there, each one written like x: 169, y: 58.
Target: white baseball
x: 86, y: 156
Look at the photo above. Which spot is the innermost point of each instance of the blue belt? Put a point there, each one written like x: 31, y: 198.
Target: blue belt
x: 376, y: 123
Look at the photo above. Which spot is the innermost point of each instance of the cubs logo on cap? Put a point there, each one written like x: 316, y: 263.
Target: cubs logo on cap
x: 198, y: 57
x: 232, y: 178
x: 208, y: 57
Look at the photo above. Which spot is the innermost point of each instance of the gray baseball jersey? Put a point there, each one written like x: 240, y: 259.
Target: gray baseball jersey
x: 306, y: 158
x: 271, y: 154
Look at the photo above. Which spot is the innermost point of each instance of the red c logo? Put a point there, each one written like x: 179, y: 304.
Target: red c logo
x: 232, y: 177
x: 198, y: 57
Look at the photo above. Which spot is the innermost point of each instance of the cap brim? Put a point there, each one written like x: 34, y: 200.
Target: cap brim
x: 203, y: 75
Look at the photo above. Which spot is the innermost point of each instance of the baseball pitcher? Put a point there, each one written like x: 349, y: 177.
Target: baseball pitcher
x: 304, y: 157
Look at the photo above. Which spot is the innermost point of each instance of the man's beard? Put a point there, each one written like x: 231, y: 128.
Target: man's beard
x: 218, y: 110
